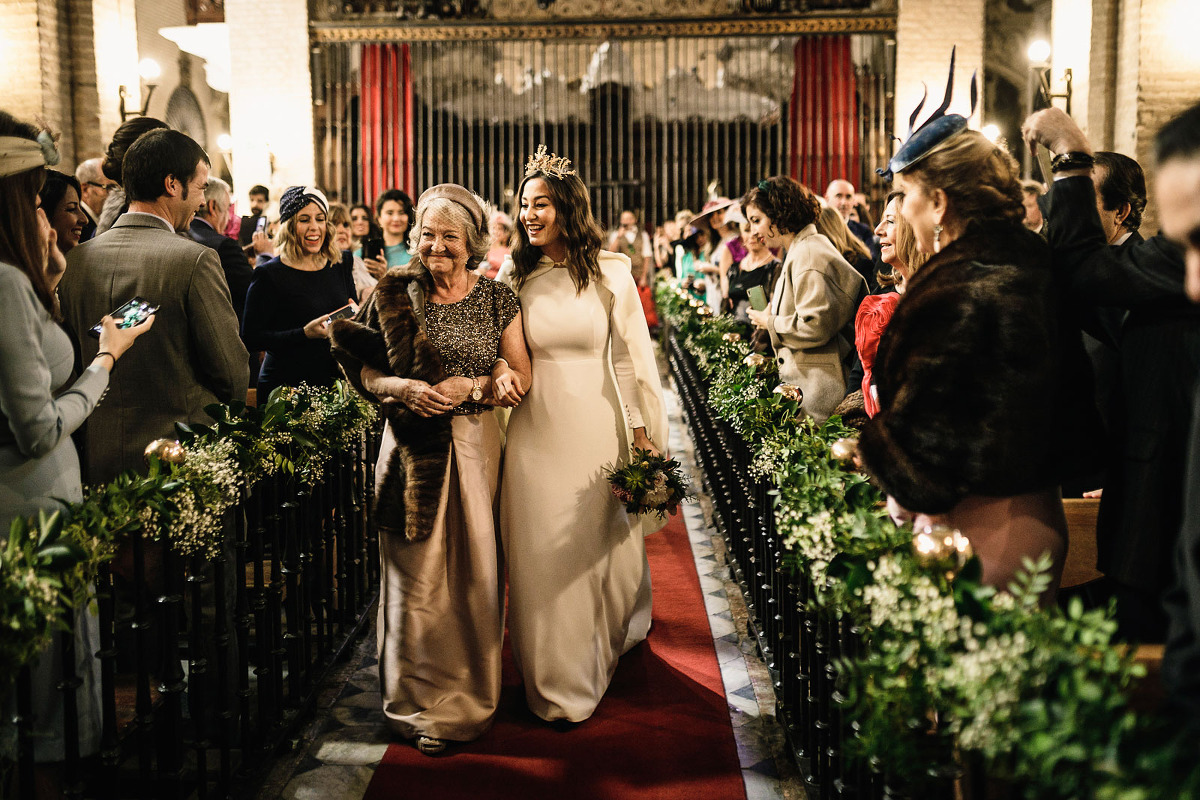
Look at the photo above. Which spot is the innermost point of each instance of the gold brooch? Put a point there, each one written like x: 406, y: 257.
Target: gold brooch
x: 548, y: 164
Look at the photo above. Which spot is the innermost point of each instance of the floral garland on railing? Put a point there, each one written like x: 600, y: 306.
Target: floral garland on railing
x: 47, y: 564
x: 953, y: 672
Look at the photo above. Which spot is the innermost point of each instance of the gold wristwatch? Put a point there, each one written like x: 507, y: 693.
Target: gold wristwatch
x: 476, y: 390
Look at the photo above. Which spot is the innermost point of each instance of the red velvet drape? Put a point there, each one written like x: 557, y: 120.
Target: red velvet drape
x: 824, y: 113
x: 386, y: 115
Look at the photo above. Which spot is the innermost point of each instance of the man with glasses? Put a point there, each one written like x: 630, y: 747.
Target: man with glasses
x: 94, y: 188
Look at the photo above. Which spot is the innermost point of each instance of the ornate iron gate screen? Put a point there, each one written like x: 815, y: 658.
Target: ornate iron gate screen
x: 652, y: 124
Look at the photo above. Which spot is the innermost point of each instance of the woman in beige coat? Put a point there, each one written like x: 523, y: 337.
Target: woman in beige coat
x: 811, y: 315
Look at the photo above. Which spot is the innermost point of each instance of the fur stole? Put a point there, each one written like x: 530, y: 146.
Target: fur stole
x: 388, y: 334
x: 984, y: 388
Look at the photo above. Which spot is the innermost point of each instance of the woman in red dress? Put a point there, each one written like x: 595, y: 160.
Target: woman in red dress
x: 898, y: 250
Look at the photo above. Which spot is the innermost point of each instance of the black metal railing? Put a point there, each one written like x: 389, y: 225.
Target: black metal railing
x: 799, y: 642
x: 207, y: 666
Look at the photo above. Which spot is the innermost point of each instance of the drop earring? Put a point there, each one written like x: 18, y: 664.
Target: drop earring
x: 937, y: 238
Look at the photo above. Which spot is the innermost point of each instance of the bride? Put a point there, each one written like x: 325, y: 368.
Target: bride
x: 579, y: 584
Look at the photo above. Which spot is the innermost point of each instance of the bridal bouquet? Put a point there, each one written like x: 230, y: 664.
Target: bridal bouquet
x: 648, y: 483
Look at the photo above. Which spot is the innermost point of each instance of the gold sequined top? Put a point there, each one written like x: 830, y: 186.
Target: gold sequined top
x: 467, y: 333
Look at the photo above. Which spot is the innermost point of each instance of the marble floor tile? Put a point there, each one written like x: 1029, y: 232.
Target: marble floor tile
x: 717, y: 606
x: 761, y: 787
x: 720, y: 627
x: 359, y: 745
x: 727, y: 651
x: 753, y: 749
x: 330, y: 781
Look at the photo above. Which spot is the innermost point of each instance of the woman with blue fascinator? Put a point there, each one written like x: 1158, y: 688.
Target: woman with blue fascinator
x: 982, y: 386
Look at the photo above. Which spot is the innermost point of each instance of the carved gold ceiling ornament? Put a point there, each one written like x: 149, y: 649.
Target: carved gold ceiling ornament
x: 628, y: 29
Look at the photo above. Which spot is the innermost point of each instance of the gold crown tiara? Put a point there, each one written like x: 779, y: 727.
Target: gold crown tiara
x: 549, y: 164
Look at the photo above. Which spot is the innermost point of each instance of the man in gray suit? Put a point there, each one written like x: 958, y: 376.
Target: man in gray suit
x: 193, y: 357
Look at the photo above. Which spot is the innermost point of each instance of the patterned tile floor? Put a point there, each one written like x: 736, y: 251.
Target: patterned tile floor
x: 336, y: 754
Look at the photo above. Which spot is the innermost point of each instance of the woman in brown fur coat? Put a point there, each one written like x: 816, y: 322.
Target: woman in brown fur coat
x: 438, y: 345
x: 983, y: 386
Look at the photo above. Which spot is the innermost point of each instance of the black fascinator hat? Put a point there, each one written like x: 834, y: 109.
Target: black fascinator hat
x: 935, y: 131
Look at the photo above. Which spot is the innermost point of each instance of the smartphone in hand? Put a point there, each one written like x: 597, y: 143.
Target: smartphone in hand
x: 758, y: 298
x: 345, y: 312
x: 129, y: 315
x: 372, y: 248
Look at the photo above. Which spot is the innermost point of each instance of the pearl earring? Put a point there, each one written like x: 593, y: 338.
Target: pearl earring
x: 937, y: 238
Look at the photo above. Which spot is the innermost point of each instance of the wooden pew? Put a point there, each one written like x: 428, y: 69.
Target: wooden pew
x: 1080, y: 568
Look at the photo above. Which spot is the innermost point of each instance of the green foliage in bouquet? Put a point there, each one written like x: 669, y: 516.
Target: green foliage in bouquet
x: 951, y: 672
x: 649, y: 483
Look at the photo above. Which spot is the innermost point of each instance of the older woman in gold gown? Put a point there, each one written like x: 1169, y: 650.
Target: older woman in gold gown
x: 438, y: 345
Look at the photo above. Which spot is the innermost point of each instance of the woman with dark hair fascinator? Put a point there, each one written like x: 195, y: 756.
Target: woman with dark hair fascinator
x: 125, y: 135
x: 579, y: 584
x: 983, y: 391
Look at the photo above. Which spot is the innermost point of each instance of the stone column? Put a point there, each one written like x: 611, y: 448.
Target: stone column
x: 64, y: 60
x: 270, y: 99
x: 926, y: 30
x: 34, y: 77
x: 1154, y: 75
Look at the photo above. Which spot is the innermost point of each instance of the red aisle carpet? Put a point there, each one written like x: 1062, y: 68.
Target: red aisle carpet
x: 661, y: 732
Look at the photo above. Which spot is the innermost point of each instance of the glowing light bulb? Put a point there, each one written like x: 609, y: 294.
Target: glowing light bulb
x: 149, y: 69
x: 991, y: 131
x: 1039, y: 51
x: 225, y: 142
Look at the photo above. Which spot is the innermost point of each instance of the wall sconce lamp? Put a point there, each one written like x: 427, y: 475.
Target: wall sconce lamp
x: 149, y: 71
x: 1039, y: 59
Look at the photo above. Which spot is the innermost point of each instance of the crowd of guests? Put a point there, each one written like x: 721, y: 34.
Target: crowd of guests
x: 994, y: 341
x: 397, y: 299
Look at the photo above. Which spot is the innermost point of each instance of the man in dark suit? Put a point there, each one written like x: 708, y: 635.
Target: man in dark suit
x: 1178, y: 196
x: 193, y: 357
x: 207, y: 229
x: 840, y: 195
x: 260, y: 198
x: 1159, y: 355
x: 1120, y: 202
x: 94, y: 187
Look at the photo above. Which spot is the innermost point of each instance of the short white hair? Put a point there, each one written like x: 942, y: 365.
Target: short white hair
x: 89, y: 171
x: 218, y: 190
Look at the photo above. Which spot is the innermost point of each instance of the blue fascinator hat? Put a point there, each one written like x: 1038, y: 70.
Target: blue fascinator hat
x: 935, y: 131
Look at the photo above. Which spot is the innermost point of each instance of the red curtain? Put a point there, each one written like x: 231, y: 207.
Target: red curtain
x: 386, y: 115
x: 824, y: 113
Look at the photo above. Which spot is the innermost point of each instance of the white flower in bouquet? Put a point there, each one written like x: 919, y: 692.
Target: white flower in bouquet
x: 661, y: 493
